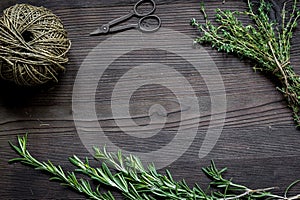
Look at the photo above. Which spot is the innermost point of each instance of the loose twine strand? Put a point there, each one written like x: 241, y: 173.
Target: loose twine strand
x: 33, y: 45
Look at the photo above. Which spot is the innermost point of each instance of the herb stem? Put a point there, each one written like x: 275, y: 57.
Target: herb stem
x: 249, y: 191
x: 279, y: 67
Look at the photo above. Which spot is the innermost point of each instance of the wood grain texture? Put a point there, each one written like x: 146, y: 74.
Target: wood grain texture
x: 259, y: 142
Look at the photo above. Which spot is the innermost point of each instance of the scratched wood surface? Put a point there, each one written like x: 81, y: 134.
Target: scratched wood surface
x: 259, y: 142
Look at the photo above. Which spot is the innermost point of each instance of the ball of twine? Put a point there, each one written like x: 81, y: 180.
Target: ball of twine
x: 33, y: 45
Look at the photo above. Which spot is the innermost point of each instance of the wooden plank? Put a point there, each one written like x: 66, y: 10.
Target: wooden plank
x: 259, y: 143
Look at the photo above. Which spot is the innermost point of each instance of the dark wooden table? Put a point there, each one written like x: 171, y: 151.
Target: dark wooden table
x: 259, y: 142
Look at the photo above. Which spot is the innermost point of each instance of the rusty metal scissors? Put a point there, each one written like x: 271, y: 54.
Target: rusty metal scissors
x: 142, y: 25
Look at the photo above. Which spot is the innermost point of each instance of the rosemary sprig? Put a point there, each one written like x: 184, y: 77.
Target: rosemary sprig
x: 135, y: 181
x: 68, y: 179
x: 266, y: 42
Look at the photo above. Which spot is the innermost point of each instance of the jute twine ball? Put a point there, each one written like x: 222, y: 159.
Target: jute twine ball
x: 33, y: 45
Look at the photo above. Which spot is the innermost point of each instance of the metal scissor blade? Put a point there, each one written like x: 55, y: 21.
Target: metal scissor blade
x: 102, y: 30
x: 96, y: 32
x: 105, y: 28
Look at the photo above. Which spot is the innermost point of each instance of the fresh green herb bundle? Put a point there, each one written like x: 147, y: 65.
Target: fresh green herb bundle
x: 136, y: 182
x: 266, y: 41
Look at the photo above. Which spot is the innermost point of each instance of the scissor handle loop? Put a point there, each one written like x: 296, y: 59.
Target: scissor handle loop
x: 135, y: 8
x: 151, y: 29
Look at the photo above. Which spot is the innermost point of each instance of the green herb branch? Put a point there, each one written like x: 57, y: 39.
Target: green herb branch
x: 266, y: 42
x: 68, y: 179
x: 128, y: 176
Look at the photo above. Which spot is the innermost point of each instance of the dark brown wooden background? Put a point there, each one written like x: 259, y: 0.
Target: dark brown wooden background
x: 259, y: 143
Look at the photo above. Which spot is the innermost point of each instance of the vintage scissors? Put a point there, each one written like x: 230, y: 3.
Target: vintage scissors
x: 142, y: 24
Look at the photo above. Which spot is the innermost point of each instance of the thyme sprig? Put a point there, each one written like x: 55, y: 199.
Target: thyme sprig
x: 128, y: 176
x: 266, y: 42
